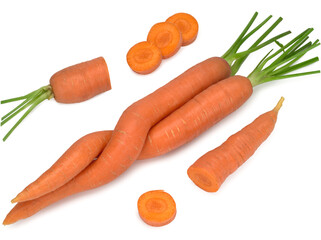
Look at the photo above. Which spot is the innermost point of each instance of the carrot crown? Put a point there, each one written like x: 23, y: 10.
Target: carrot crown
x: 31, y: 100
x: 284, y: 60
x: 236, y: 59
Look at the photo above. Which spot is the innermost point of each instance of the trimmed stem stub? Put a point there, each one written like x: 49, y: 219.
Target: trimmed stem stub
x: 278, y: 105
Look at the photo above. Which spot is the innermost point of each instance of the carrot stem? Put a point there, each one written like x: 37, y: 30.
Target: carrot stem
x: 285, y: 58
x: 18, y: 98
x: 33, y: 99
x: 236, y: 59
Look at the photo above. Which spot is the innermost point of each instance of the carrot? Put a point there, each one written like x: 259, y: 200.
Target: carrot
x: 211, y: 170
x: 166, y: 37
x: 73, y: 84
x: 187, y: 25
x: 144, y: 57
x: 132, y: 131
x: 156, y: 208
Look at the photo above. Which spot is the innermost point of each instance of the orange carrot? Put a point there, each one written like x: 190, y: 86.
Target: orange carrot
x: 166, y: 37
x: 156, y: 208
x: 211, y: 170
x: 187, y: 25
x: 73, y: 84
x: 210, y: 71
x: 144, y: 57
x: 132, y: 130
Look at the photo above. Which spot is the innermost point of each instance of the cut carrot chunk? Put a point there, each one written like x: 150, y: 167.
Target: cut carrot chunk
x: 144, y: 57
x: 187, y: 25
x: 166, y: 37
x: 156, y: 208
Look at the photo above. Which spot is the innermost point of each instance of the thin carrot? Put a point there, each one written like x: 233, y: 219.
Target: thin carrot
x: 209, y: 71
x: 73, y: 84
x: 156, y: 208
x: 187, y: 25
x: 166, y: 37
x: 144, y: 57
x: 132, y: 131
x: 211, y: 170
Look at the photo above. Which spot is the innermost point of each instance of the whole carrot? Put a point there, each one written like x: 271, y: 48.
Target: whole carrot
x: 211, y: 170
x: 73, y: 84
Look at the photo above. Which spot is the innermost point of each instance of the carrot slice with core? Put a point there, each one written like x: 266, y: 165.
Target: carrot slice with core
x: 166, y: 37
x: 156, y: 208
x: 187, y: 25
x: 144, y: 57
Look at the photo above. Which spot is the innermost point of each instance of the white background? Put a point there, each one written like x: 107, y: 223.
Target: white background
x: 275, y: 195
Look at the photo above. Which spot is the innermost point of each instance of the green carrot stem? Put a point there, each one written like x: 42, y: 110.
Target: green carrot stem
x: 41, y: 98
x: 19, y: 98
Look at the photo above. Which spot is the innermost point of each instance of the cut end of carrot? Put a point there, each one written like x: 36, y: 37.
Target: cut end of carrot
x: 278, y: 105
x: 203, y: 179
x: 144, y: 57
x: 16, y: 199
x: 187, y: 25
x: 166, y: 37
x: 156, y: 208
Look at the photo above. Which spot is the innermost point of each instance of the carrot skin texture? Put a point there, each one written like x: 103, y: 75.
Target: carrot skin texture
x: 211, y: 170
x: 197, y: 115
x: 103, y: 170
x: 72, y: 162
x: 81, y: 82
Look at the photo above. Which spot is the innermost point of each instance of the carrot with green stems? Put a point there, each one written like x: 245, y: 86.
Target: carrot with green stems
x: 211, y: 170
x: 131, y: 130
x: 73, y: 84
x: 209, y: 71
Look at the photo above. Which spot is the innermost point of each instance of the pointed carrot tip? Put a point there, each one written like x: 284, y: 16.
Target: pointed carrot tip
x: 14, y: 200
x: 278, y: 105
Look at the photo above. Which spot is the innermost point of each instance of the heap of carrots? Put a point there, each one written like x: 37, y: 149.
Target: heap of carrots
x: 163, y: 41
x: 166, y: 119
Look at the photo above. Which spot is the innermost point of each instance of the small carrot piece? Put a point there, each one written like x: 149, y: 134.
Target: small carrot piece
x: 187, y: 25
x: 73, y: 84
x: 166, y: 37
x: 211, y: 170
x: 156, y: 208
x: 144, y: 57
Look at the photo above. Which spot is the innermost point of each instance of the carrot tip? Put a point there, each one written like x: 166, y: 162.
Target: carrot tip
x: 278, y: 105
x: 14, y: 200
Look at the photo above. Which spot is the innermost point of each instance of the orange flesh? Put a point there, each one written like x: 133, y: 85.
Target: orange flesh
x: 156, y: 208
x: 144, y: 58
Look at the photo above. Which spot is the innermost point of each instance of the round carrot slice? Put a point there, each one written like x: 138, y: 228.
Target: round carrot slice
x: 156, y: 208
x: 144, y: 57
x: 187, y: 25
x: 166, y: 37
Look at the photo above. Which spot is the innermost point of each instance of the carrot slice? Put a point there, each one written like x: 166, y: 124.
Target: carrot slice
x: 144, y: 57
x: 166, y: 37
x: 156, y: 208
x: 187, y: 25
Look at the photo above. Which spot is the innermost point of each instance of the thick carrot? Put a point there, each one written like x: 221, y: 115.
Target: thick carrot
x: 166, y: 37
x: 73, y: 84
x: 209, y: 71
x: 144, y: 57
x: 156, y: 208
x: 89, y: 178
x: 211, y: 170
x: 187, y: 25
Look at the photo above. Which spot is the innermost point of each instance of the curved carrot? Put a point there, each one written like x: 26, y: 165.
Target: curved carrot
x: 94, y: 175
x: 144, y: 57
x: 211, y: 170
x: 156, y: 208
x: 166, y: 37
x: 210, y: 71
x: 187, y: 25
x: 73, y: 84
